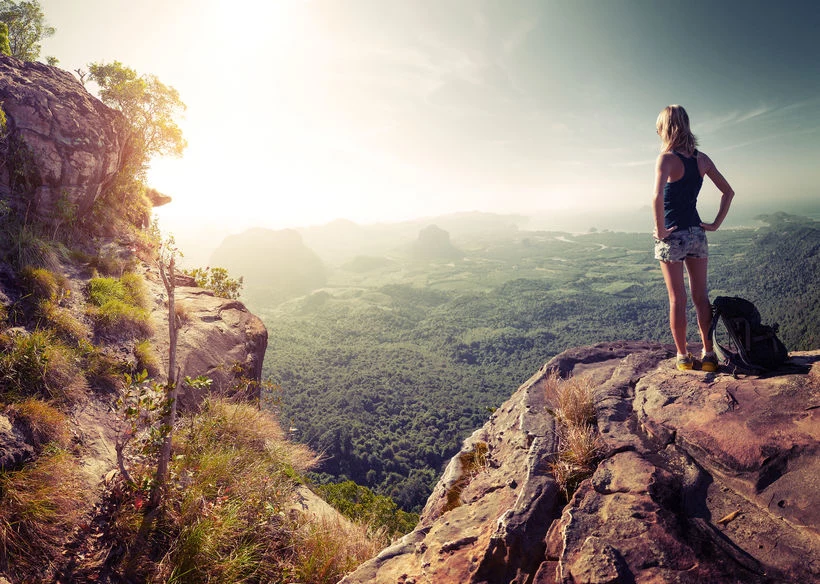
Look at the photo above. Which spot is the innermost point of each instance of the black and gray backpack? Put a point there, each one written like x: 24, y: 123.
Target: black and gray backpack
x: 741, y: 340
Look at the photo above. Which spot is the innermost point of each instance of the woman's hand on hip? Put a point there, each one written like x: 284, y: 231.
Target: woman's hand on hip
x: 662, y: 232
x: 710, y: 226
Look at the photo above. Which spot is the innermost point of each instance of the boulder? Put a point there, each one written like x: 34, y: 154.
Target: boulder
x: 74, y: 142
x: 705, y: 478
x: 14, y: 449
x: 218, y: 338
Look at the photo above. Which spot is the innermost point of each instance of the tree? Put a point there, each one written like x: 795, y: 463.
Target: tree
x: 150, y: 109
x: 149, y: 105
x: 26, y: 28
x: 218, y: 281
x: 5, y: 48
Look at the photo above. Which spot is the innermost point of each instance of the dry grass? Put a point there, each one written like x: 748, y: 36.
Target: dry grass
x: 579, y: 444
x: 43, y: 423
x: 33, y: 250
x: 182, y: 314
x: 62, y: 321
x: 38, y: 364
x: 471, y: 462
x: 43, y: 284
x: 146, y: 357
x: 233, y: 478
x: 40, y: 505
x: 575, y: 401
x: 324, y: 550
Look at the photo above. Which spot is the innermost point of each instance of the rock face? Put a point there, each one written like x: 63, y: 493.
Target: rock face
x: 219, y: 338
x: 706, y: 478
x: 75, y: 141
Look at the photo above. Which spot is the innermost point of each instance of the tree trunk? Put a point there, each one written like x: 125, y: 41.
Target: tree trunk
x: 171, y: 387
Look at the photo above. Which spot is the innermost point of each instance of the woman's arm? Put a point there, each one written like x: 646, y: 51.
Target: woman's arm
x: 726, y: 198
x: 663, y: 167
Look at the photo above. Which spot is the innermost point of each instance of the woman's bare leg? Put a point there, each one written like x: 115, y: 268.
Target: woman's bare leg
x: 673, y: 276
x: 697, y: 269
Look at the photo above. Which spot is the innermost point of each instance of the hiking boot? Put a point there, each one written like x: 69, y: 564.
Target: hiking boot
x: 685, y: 362
x: 709, y: 363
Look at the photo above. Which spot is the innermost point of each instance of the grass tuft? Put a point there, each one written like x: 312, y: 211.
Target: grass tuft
x: 579, y: 444
x: 38, y: 364
x: 326, y: 549
x: 33, y: 250
x: 63, y: 322
x: 43, y: 423
x: 472, y: 462
x: 147, y: 358
x: 40, y: 505
x: 119, y: 307
x: 43, y: 284
x: 230, y: 514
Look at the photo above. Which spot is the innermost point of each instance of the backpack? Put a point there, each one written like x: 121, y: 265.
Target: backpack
x: 746, y: 343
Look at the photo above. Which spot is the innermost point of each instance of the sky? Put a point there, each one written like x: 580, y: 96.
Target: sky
x: 303, y: 111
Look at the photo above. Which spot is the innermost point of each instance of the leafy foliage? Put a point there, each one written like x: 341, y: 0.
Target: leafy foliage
x: 150, y: 108
x: 149, y: 105
x: 5, y: 49
x: 361, y: 504
x: 218, y: 280
x: 27, y: 27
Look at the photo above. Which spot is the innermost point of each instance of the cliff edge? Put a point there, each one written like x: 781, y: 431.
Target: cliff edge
x: 705, y: 478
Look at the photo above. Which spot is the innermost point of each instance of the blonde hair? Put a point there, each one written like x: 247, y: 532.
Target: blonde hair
x: 673, y: 128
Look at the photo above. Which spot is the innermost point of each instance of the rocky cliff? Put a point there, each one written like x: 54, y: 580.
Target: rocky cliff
x: 705, y: 478
x: 67, y: 143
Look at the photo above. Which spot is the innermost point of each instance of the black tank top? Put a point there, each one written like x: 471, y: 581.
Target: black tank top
x: 681, y: 196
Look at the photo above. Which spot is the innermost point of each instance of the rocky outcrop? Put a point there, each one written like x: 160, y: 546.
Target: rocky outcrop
x: 434, y: 243
x: 75, y: 142
x: 706, y: 478
x: 218, y: 338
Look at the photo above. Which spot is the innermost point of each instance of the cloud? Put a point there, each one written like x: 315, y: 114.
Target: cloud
x: 766, y: 138
x: 736, y: 117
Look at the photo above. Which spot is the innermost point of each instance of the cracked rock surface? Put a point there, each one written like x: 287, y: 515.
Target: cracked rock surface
x: 706, y: 478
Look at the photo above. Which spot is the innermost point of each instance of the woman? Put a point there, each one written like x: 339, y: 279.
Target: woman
x: 680, y: 236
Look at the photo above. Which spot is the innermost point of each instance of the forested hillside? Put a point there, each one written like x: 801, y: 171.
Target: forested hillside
x: 396, y: 360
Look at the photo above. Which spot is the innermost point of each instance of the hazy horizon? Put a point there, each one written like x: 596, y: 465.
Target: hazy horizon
x: 300, y: 112
x: 199, y: 241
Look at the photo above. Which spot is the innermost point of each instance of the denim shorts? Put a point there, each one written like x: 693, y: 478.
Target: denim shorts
x: 682, y: 244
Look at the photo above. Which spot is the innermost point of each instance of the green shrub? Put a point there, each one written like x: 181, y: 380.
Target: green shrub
x: 218, y: 281
x: 363, y: 505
